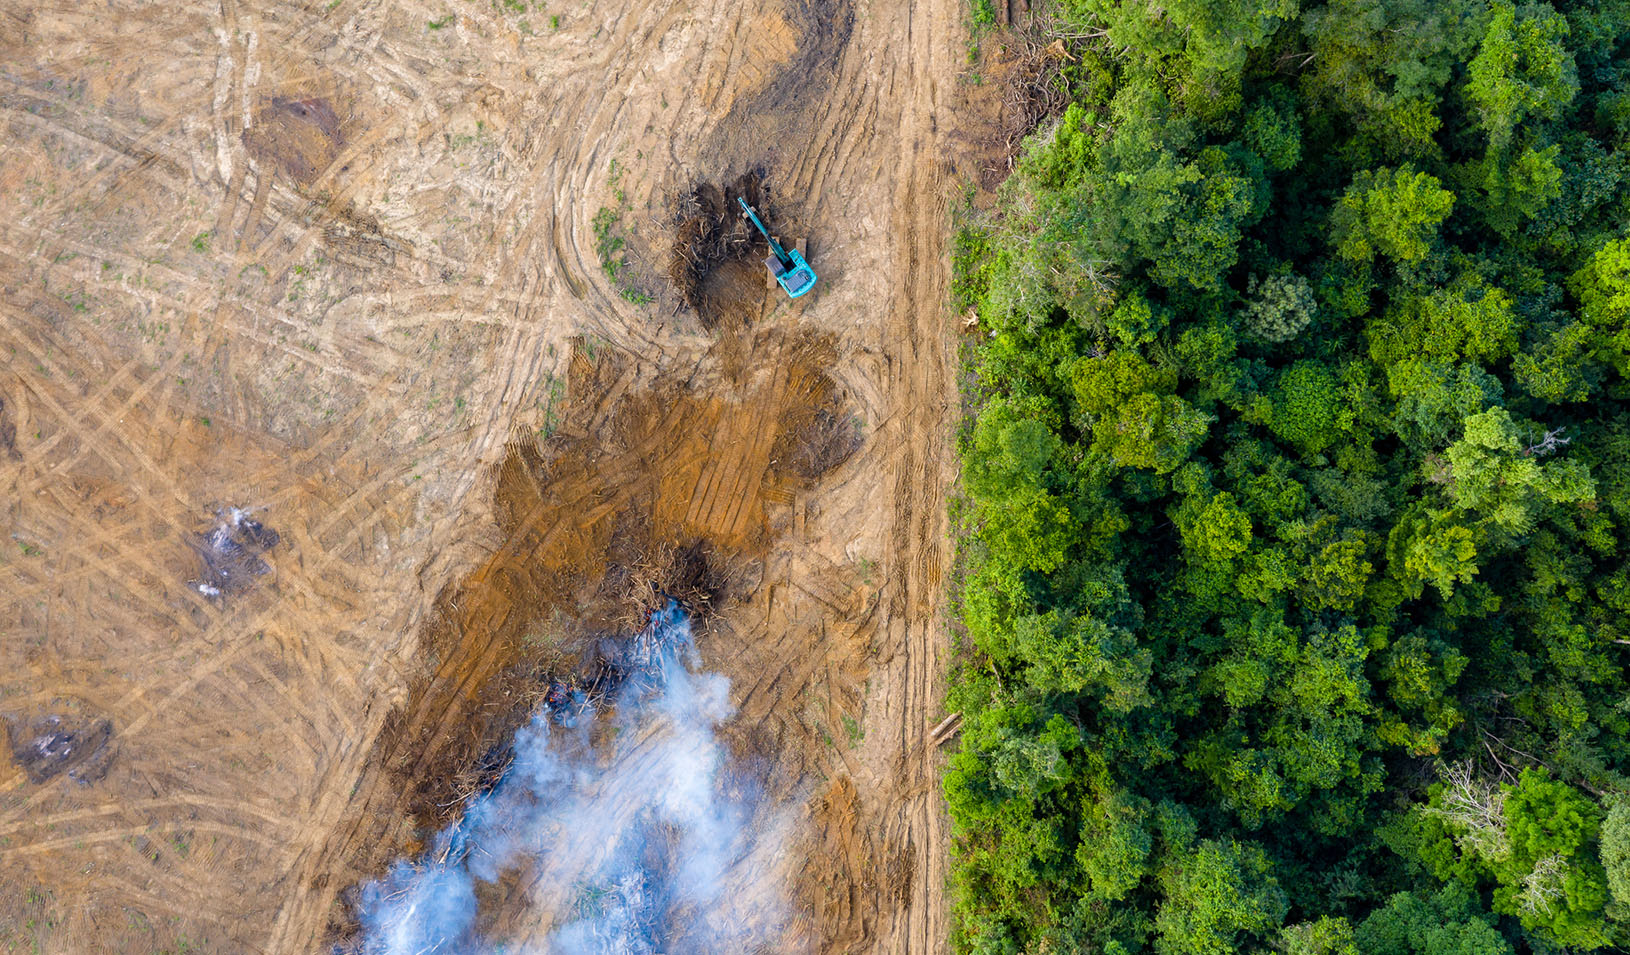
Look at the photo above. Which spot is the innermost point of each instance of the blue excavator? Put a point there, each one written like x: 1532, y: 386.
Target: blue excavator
x: 791, y: 272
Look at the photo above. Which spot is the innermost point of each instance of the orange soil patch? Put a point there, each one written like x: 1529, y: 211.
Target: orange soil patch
x: 590, y: 521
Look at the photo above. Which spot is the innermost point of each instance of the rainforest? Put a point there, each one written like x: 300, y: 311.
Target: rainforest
x: 1293, y: 590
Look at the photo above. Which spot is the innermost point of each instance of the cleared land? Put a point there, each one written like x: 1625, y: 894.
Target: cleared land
x: 378, y: 271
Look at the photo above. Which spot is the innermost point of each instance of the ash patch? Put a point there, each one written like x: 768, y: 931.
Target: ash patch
x: 231, y: 554
x: 635, y: 833
x: 664, y: 576
x: 48, y: 746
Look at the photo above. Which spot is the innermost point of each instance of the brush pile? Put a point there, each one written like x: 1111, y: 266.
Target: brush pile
x: 712, y: 232
x: 1035, y: 91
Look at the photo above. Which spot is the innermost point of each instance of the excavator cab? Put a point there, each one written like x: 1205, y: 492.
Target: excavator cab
x: 787, y: 266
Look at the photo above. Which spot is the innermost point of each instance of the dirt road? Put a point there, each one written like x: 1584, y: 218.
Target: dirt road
x: 342, y: 264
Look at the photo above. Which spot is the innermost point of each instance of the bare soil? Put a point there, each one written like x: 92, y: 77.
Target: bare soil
x: 335, y: 265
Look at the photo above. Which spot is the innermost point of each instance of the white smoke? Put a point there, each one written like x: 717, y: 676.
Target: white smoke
x: 619, y: 835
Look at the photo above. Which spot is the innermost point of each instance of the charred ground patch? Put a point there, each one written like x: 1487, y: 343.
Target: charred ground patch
x: 49, y: 745
x: 231, y: 554
x: 8, y: 433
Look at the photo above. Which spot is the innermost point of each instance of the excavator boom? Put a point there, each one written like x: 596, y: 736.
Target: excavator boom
x: 789, y: 268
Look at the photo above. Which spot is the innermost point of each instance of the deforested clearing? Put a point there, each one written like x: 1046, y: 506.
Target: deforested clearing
x: 349, y: 420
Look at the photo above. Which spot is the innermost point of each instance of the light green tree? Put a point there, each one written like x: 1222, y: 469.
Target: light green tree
x: 1551, y: 879
x: 1391, y: 212
x: 1215, y: 530
x: 1325, y: 936
x: 1603, y: 288
x: 1216, y: 892
x: 1615, y: 852
x: 1306, y: 406
x: 1493, y: 480
x: 1446, y: 923
x: 1385, y: 63
x: 1115, y: 846
x: 1126, y: 403
x: 1419, y: 673
x: 1428, y: 546
x: 1523, y: 70
x: 1279, y: 307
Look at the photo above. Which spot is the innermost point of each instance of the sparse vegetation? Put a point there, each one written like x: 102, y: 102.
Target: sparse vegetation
x: 548, y: 406
x: 852, y: 730
x: 981, y: 21
x: 610, y: 244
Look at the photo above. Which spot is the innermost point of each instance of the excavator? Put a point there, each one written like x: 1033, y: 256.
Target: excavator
x: 788, y: 267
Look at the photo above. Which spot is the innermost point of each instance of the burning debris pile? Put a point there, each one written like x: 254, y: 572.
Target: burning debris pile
x: 634, y: 667
x: 616, y: 828
x: 231, y: 553
x: 51, y: 745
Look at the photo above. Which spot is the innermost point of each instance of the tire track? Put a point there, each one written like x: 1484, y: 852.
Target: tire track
x: 381, y: 503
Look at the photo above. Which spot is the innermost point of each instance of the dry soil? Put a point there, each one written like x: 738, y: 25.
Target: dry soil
x: 344, y: 265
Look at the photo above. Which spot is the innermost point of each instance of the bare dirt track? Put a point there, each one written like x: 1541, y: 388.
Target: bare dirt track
x: 338, y: 262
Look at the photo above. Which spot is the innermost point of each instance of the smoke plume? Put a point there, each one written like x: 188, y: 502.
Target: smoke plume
x: 623, y: 833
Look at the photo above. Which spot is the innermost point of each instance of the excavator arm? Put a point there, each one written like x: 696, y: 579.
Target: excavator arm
x: 788, y: 268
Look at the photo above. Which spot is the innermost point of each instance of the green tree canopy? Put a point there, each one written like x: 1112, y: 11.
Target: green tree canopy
x: 1294, y: 476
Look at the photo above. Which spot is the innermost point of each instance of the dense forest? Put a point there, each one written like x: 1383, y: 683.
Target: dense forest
x: 1296, y: 488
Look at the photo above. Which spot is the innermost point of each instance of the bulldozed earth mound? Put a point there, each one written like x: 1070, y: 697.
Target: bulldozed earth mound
x: 395, y: 285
